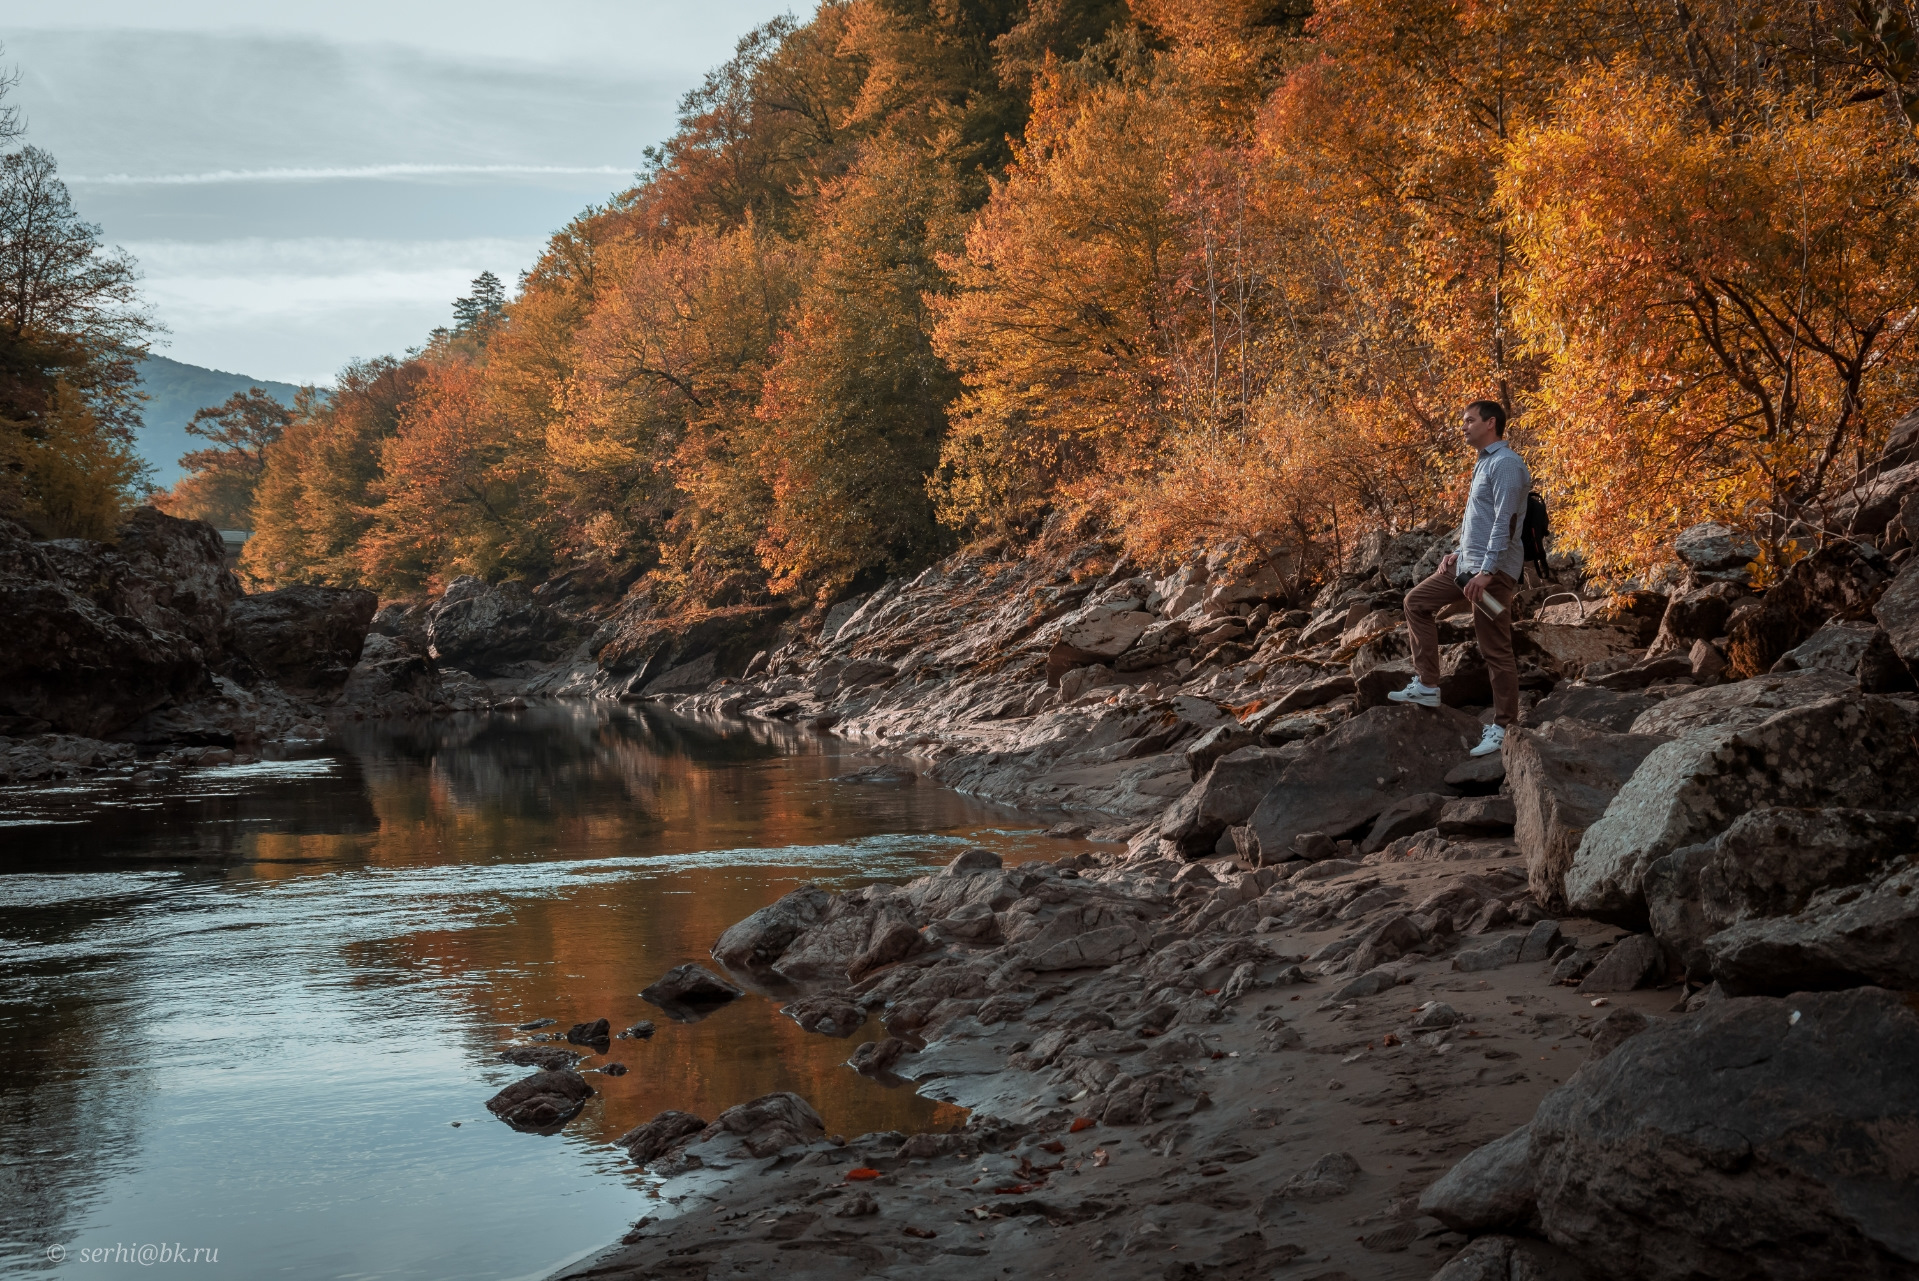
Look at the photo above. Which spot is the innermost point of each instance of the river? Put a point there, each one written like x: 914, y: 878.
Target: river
x: 258, y: 1010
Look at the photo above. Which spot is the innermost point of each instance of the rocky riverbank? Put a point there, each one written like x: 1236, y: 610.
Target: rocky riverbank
x: 1631, y: 1000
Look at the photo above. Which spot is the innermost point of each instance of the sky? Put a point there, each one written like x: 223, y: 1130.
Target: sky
x: 306, y: 185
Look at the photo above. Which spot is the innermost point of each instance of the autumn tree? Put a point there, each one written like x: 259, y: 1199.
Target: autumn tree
x: 1722, y: 299
x: 220, y: 481
x: 315, y: 499
x: 72, y: 331
x: 855, y: 407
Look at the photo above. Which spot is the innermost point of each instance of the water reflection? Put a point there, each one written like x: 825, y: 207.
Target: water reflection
x: 245, y: 1010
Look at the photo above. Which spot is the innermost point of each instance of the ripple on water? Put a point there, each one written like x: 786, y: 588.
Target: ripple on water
x: 262, y: 1044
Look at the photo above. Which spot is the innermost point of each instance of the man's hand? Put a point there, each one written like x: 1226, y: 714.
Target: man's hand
x: 1449, y: 564
x: 1476, y: 587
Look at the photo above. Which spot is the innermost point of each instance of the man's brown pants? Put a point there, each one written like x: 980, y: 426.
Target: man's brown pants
x: 1495, y: 636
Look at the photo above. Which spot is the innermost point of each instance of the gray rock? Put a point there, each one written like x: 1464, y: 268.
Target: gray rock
x: 1856, y: 933
x: 1612, y: 1031
x: 1633, y: 962
x: 1562, y: 778
x: 304, y: 637
x: 1836, y: 647
x: 484, y: 629
x: 1478, y: 816
x: 1855, y: 751
x: 647, y: 1143
x: 1699, y: 614
x: 1610, y: 709
x: 1541, y: 941
x: 1740, y: 704
x: 1500, y: 952
x: 1477, y: 775
x: 1312, y: 694
x: 1770, y: 862
x: 550, y: 1057
x: 974, y: 860
x: 1403, y: 817
x: 1490, y: 1188
x: 1711, y: 548
x: 1898, y: 612
x: 758, y: 941
x: 1352, y: 774
x: 1330, y: 1176
x: 1231, y: 790
x: 1502, y: 1258
x: 1371, y: 983
x: 687, y: 988
x: 542, y: 1102
x: 768, y: 1124
x: 1215, y: 743
x: 1758, y: 1138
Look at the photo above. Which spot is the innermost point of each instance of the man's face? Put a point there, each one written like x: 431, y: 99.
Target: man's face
x: 1480, y: 432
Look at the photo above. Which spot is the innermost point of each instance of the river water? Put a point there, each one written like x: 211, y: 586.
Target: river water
x: 243, y: 1011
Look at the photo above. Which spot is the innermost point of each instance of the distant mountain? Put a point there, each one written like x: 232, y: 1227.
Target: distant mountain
x: 175, y: 392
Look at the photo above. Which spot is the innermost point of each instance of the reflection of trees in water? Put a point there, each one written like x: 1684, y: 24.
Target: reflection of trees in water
x: 57, y: 1028
x: 203, y: 817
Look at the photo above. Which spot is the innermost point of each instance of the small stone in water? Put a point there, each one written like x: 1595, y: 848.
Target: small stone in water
x: 535, y: 1024
x: 639, y: 1031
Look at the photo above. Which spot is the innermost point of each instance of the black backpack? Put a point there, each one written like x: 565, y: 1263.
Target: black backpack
x: 1535, y: 530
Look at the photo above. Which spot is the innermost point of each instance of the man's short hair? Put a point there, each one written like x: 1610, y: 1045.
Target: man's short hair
x: 1494, y: 410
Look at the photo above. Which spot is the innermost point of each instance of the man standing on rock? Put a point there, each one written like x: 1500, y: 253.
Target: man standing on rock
x: 1485, y: 571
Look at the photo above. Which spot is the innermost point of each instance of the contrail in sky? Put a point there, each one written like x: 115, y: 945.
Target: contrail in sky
x: 299, y: 175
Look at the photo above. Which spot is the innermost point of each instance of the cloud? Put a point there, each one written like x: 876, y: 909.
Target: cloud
x: 341, y: 172
x: 297, y: 310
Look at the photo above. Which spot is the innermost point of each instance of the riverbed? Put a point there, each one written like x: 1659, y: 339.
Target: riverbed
x: 258, y: 1010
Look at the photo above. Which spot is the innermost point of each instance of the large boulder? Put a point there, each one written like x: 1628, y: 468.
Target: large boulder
x: 757, y: 942
x: 1740, y: 704
x: 1699, y: 613
x: 391, y: 679
x: 1352, y: 774
x: 542, y: 1102
x: 82, y: 659
x: 1848, y: 934
x: 647, y: 1143
x: 1712, y: 550
x: 1859, y: 750
x: 1562, y: 777
x: 1770, y: 862
x: 1836, y: 647
x: 1491, y: 1187
x: 304, y: 637
x: 1611, y: 709
x: 1867, y: 508
x: 640, y: 653
x: 1839, y: 581
x: 1097, y: 634
x: 168, y: 574
x: 1227, y: 796
x: 1898, y: 613
x: 768, y: 1124
x: 487, y: 629
x: 1757, y: 1138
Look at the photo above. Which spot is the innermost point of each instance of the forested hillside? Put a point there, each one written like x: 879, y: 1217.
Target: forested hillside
x: 911, y: 274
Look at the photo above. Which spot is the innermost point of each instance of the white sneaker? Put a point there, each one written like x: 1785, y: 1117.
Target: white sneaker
x: 1490, y: 741
x: 1416, y: 692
